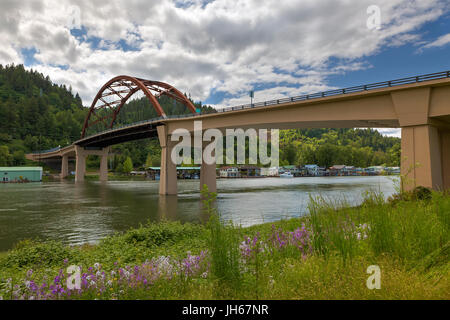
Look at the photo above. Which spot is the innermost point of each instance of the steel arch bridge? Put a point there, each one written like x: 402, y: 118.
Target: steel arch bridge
x: 116, y: 92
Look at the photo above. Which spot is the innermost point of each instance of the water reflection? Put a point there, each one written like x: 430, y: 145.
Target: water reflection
x: 86, y: 212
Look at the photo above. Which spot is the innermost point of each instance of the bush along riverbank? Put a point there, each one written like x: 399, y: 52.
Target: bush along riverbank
x: 323, y: 255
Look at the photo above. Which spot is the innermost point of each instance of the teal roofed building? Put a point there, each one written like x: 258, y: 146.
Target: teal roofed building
x: 20, y: 174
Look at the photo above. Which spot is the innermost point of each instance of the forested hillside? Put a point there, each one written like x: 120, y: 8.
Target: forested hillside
x: 36, y: 114
x: 326, y: 147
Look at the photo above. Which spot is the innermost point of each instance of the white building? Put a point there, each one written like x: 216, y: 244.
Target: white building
x: 229, y: 172
x: 270, y: 172
x: 312, y: 169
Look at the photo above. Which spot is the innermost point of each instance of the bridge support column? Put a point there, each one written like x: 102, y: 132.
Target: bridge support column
x: 445, y: 154
x: 81, y: 155
x: 208, y: 176
x: 423, y: 150
x: 208, y: 173
x: 103, y: 176
x: 64, y: 166
x: 168, y: 174
x: 80, y: 167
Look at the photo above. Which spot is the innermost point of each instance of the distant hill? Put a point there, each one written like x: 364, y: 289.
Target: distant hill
x: 326, y: 147
x: 36, y: 114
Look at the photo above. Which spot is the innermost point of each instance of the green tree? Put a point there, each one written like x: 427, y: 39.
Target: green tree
x: 127, y: 165
x: 290, y: 154
x: 5, y: 157
x: 18, y: 157
x: 119, y: 168
x: 148, y: 162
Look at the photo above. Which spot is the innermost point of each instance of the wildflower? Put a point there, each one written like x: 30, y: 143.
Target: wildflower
x: 97, y: 266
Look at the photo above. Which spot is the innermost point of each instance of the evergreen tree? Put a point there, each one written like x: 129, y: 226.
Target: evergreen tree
x: 128, y: 165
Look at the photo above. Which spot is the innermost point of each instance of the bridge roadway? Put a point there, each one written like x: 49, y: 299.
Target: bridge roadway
x: 420, y: 106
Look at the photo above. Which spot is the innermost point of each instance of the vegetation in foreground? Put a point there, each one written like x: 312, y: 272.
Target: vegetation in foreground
x: 324, y: 255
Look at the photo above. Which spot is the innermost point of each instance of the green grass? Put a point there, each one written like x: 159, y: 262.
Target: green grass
x: 408, y: 239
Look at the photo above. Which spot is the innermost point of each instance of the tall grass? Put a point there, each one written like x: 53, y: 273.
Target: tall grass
x: 333, y: 228
x: 409, y: 230
x: 223, y: 244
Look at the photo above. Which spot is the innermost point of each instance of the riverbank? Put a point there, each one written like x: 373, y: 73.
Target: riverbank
x: 324, y: 255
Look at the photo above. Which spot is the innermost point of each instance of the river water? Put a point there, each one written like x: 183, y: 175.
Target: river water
x: 87, y: 212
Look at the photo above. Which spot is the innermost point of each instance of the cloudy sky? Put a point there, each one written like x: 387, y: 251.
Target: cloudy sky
x: 219, y: 50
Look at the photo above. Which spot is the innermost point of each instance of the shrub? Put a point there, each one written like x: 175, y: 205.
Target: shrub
x: 421, y: 193
x: 156, y: 234
x: 30, y: 253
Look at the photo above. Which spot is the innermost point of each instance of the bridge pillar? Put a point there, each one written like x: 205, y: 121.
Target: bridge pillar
x: 208, y: 176
x: 445, y: 154
x: 168, y: 174
x: 208, y: 173
x: 80, y: 167
x: 103, y: 176
x: 425, y: 141
x: 423, y: 150
x: 81, y: 155
x: 64, y: 166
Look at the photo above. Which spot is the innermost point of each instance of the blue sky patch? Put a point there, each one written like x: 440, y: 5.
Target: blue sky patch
x: 28, y: 56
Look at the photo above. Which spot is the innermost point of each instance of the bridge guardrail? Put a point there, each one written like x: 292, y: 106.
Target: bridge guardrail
x: 47, y: 151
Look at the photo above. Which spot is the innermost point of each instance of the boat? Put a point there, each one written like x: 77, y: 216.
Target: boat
x: 287, y: 174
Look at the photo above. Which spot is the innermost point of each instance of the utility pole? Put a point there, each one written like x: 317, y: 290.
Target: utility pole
x: 252, y: 94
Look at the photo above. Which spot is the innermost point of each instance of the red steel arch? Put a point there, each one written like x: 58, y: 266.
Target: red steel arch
x: 121, y: 88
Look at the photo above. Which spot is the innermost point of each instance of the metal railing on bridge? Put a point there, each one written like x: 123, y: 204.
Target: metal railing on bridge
x: 47, y: 151
x: 366, y: 87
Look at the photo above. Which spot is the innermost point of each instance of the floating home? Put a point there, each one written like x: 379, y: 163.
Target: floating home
x: 20, y: 174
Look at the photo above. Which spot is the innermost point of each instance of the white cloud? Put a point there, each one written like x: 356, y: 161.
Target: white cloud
x: 439, y: 42
x: 199, y: 47
x: 390, y: 132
